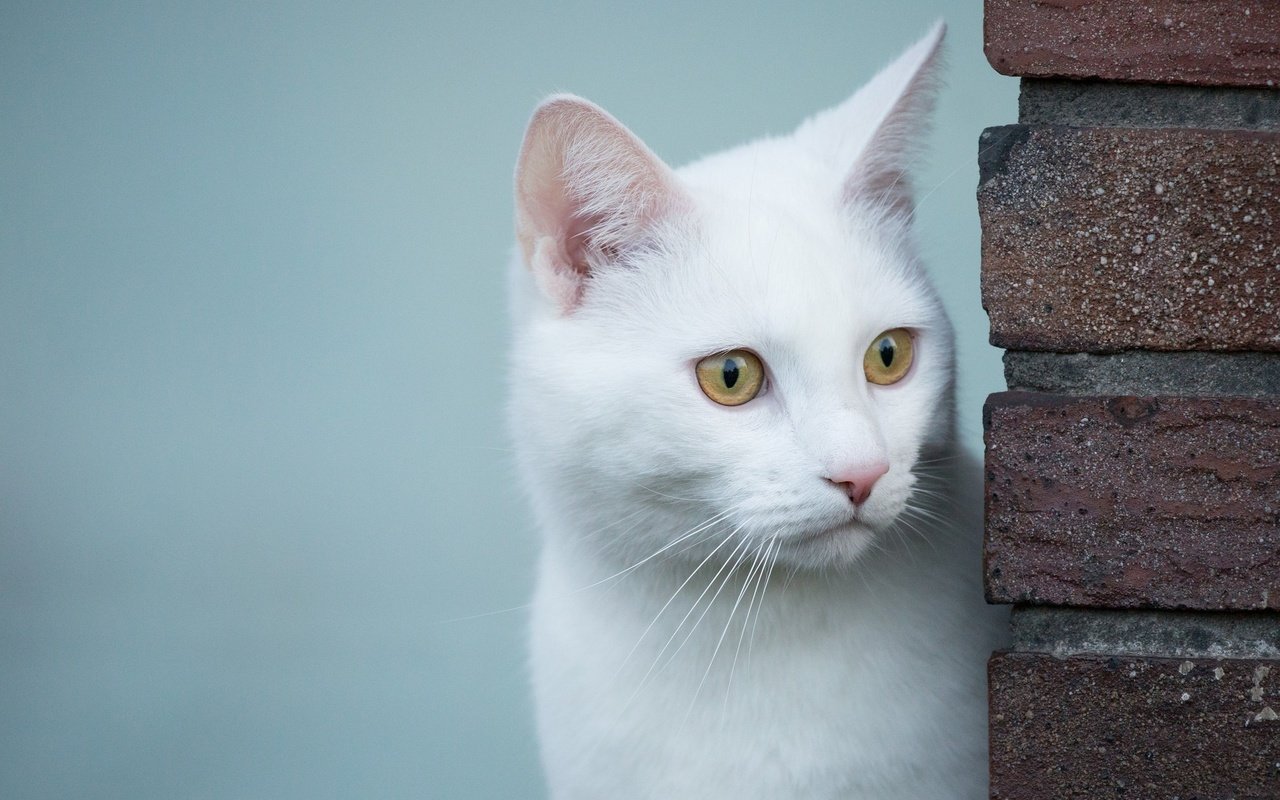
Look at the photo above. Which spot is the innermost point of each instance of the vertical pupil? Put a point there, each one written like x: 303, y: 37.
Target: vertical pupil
x: 886, y: 351
x: 730, y: 372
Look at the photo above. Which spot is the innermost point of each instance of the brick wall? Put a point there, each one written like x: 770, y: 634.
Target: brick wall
x: 1131, y: 268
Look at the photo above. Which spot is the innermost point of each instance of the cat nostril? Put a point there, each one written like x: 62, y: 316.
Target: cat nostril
x: 858, y: 493
x: 857, y: 483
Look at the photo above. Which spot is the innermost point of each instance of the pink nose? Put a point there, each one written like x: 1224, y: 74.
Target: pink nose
x: 857, y: 482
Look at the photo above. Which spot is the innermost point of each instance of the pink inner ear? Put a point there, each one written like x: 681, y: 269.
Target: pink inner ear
x: 875, y: 133
x: 888, y: 189
x: 586, y: 188
x: 555, y: 274
x: 561, y: 265
x: 580, y: 240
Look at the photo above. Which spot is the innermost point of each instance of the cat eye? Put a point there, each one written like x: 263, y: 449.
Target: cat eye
x: 889, y: 357
x: 731, y: 378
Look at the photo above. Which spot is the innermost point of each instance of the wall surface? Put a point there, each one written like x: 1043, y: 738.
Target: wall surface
x: 252, y: 351
x: 1131, y: 266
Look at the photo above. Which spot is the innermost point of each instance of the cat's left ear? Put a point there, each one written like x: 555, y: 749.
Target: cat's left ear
x: 587, y: 190
x: 874, y: 134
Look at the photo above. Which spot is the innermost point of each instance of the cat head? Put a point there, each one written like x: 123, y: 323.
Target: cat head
x: 739, y: 354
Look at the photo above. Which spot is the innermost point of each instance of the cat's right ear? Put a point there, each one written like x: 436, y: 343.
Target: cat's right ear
x: 586, y: 190
x: 874, y: 135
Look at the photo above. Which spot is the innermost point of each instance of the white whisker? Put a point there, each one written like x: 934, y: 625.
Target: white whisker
x: 697, y: 529
x: 729, y: 565
x: 760, y: 608
x: 758, y: 569
x: 670, y: 600
x: 727, y: 623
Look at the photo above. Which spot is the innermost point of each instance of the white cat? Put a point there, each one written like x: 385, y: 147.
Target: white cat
x: 732, y: 402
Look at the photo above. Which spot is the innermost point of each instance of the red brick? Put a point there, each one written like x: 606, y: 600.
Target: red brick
x: 1128, y: 502
x: 1102, y: 726
x: 1109, y: 239
x: 1098, y: 726
x: 1206, y: 42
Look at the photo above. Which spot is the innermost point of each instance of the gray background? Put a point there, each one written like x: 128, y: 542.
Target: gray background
x: 251, y: 363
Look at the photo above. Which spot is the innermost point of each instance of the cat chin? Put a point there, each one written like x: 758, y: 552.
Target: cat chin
x: 838, y: 546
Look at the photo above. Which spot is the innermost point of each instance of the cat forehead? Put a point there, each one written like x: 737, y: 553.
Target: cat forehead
x: 766, y: 277
x: 774, y: 196
x: 770, y: 220
x: 778, y: 174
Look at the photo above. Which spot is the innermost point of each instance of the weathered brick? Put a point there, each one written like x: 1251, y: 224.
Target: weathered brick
x: 1065, y: 631
x: 1098, y: 726
x: 1108, y: 239
x: 1144, y: 372
x: 1133, y: 502
x: 1146, y: 105
x: 1226, y: 42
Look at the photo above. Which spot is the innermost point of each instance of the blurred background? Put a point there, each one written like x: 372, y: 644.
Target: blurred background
x: 256, y: 501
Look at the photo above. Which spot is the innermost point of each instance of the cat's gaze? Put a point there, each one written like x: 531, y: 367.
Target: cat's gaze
x: 889, y: 357
x: 731, y: 378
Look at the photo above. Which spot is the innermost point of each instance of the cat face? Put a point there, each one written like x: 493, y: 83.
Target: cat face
x: 740, y: 357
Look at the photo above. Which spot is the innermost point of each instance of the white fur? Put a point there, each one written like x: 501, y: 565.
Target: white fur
x: 793, y: 645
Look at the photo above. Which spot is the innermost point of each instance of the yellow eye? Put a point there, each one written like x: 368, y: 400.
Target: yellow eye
x: 889, y: 357
x: 731, y: 378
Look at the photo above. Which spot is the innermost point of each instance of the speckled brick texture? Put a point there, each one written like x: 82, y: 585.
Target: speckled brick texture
x: 1124, y: 727
x: 1206, y: 42
x: 1106, y: 239
x: 1133, y: 502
